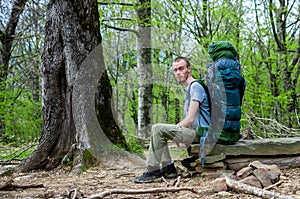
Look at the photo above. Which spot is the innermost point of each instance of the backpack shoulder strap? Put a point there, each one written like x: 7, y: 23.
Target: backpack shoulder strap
x: 242, y: 87
x: 201, y: 82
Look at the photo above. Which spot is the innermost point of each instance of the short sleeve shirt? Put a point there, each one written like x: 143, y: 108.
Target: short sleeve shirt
x: 195, y: 91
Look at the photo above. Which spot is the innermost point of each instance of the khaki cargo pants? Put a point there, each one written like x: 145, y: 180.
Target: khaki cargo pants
x: 161, y: 133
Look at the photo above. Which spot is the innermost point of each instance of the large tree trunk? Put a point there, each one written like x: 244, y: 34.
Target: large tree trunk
x: 71, y: 34
x: 144, y: 67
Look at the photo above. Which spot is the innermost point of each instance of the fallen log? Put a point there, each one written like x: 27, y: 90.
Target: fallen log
x: 241, y: 187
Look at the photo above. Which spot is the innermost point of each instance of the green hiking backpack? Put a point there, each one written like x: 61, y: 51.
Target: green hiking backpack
x: 226, y: 86
x: 230, y: 132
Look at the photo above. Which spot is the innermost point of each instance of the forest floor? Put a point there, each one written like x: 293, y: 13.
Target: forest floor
x: 59, y: 184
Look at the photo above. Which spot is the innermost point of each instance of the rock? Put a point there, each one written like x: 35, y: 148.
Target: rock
x: 257, y: 164
x: 216, y: 165
x: 271, y: 168
x: 214, y: 158
x: 263, y: 176
x: 266, y: 173
x: 274, y: 177
x: 223, y: 173
x: 219, y: 184
x: 252, y: 181
x: 244, y: 172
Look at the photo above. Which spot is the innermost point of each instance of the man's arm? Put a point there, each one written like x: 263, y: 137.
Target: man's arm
x: 189, y: 119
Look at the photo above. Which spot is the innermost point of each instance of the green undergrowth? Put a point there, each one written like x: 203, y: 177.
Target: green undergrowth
x: 11, y: 153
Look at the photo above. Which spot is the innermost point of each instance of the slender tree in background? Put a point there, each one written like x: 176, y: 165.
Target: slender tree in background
x: 7, y: 37
x: 145, y: 84
x: 279, y: 14
x: 71, y: 33
x: 142, y: 30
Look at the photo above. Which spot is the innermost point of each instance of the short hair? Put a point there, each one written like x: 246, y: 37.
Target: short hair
x: 179, y: 58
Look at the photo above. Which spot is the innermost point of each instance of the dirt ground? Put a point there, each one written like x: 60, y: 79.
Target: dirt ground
x: 59, y: 184
x: 99, y: 179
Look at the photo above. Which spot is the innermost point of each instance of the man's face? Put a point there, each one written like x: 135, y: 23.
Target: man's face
x: 181, y: 71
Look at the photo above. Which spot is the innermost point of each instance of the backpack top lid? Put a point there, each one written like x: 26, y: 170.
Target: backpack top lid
x: 221, y: 49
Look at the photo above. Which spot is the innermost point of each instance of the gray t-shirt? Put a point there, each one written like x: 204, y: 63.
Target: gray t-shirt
x: 195, y: 91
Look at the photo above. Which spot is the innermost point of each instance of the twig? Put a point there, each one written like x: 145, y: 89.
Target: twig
x: 117, y: 18
x: 272, y: 125
x: 77, y: 194
x: 116, y: 3
x: 142, y: 191
x: 178, y: 182
x: 242, y: 187
x: 164, y: 179
x: 9, y: 163
x: 174, y: 183
x: 121, y: 29
x: 273, y: 185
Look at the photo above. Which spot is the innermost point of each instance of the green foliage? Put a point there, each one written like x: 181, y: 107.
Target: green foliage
x: 83, y: 168
x: 202, y: 175
x: 134, y: 145
x: 269, y: 98
x: 20, y: 101
x: 179, y: 153
x: 272, y: 84
x: 9, y: 153
x: 22, y: 118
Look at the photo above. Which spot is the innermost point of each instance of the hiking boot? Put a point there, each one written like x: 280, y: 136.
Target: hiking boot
x: 187, y: 163
x: 169, y: 171
x: 148, y: 176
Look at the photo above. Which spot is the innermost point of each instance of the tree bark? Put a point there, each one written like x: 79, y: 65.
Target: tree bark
x: 144, y: 67
x: 104, y: 112
x: 71, y: 34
